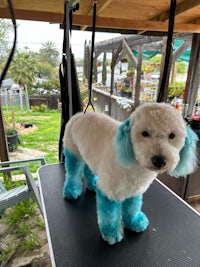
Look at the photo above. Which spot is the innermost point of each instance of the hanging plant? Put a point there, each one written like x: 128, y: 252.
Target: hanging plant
x: 99, y: 64
x: 124, y: 60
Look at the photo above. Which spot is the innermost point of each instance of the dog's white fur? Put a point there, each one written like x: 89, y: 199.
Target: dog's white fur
x: 91, y: 136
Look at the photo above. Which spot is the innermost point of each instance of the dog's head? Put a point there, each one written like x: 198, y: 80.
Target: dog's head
x: 157, y: 137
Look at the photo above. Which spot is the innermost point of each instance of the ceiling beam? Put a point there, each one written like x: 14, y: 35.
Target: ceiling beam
x: 100, y: 8
x: 5, y: 3
x: 195, y: 21
x: 116, y: 23
x: 102, y: 22
x: 33, y: 15
x: 180, y: 8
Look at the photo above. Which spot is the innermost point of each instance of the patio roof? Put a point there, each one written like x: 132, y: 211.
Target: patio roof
x: 133, y: 16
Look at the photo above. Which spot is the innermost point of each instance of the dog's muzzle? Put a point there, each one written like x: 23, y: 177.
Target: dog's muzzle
x: 158, y: 162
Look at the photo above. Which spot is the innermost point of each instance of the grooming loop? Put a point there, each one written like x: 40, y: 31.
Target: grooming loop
x: 168, y: 49
x: 92, y: 56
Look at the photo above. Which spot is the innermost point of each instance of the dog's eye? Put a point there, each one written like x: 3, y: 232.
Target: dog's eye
x: 171, y: 136
x: 145, y: 134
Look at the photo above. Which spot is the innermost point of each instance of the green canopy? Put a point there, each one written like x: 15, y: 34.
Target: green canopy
x: 147, y: 54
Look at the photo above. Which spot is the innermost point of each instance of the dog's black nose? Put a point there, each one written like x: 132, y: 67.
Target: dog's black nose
x: 158, y: 161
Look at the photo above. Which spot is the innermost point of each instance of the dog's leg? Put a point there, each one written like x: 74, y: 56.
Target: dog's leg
x: 90, y: 177
x: 133, y: 218
x: 74, y: 172
x: 109, y: 218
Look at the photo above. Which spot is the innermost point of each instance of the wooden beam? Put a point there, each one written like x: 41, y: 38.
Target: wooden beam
x: 180, y: 51
x: 192, y: 82
x: 5, y: 3
x: 116, y: 23
x: 138, y: 78
x: 102, y: 22
x: 4, y: 156
x: 130, y: 54
x: 33, y: 15
x: 180, y: 8
x: 116, y: 55
x: 195, y: 21
x: 100, y: 7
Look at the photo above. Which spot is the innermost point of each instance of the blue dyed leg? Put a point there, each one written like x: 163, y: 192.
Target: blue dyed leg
x: 90, y: 177
x: 74, y: 172
x: 133, y: 218
x: 109, y: 218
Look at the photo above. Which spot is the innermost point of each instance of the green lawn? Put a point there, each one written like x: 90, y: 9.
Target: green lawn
x: 44, y: 137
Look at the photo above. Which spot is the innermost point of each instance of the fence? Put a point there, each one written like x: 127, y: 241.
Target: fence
x: 8, y: 100
x: 120, y: 107
x: 51, y: 101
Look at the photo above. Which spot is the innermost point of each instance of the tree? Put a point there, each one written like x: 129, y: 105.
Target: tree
x: 44, y: 70
x: 23, y: 68
x: 5, y: 29
x: 181, y: 67
x: 49, y: 53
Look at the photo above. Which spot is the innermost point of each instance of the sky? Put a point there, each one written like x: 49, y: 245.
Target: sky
x: 32, y: 34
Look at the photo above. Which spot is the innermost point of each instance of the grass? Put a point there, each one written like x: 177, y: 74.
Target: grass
x: 24, y: 221
x: 46, y: 136
x: 23, y: 230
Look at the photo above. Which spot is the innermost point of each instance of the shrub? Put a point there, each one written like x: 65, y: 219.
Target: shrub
x: 11, y: 131
x: 41, y: 108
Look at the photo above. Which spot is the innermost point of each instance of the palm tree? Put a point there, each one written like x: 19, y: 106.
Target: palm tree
x: 23, y: 68
x: 49, y: 53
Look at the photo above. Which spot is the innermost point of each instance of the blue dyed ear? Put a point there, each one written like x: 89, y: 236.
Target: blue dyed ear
x: 123, y: 144
x: 188, y: 157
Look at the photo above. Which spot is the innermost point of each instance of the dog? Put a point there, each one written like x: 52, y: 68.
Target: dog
x: 121, y: 160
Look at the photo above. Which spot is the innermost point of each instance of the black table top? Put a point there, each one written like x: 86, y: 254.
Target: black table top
x: 172, y: 239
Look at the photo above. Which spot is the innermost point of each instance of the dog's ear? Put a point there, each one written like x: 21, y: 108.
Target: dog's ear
x: 188, y: 156
x: 123, y: 144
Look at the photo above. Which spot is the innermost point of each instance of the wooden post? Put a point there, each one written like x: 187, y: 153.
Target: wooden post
x: 111, y: 85
x: 138, y: 78
x: 12, y: 109
x: 174, y: 72
x: 193, y: 78
x: 3, y: 141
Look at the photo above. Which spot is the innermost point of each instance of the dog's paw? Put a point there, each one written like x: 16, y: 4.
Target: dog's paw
x: 110, y: 235
x: 91, y: 184
x: 139, y: 223
x: 71, y: 190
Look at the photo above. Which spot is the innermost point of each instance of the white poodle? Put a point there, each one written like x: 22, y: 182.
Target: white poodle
x: 126, y: 157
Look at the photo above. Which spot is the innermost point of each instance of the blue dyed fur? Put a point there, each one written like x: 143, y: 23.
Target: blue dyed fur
x: 75, y: 169
x: 114, y: 215
x: 123, y: 144
x: 73, y: 177
x: 91, y: 178
x: 133, y: 218
x: 187, y: 162
x: 109, y: 219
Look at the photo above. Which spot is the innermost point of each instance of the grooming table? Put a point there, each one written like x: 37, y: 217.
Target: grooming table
x: 172, y: 239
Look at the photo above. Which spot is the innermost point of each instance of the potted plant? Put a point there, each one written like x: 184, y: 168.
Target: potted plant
x: 12, y: 139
